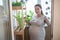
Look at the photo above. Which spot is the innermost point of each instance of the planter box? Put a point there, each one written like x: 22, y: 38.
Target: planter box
x: 19, y: 35
x: 17, y: 8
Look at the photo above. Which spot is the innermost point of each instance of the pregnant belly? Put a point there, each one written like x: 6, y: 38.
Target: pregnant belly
x: 37, y: 31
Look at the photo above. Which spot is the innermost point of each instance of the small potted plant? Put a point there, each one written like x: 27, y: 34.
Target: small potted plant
x: 17, y: 5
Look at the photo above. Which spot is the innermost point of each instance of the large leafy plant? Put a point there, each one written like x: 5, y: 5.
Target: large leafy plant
x: 19, y: 19
x: 28, y: 17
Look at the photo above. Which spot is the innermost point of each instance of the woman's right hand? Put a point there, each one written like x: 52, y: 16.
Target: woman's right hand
x: 27, y: 22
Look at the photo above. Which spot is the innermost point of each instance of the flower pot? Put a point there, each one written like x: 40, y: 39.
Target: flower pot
x: 17, y: 8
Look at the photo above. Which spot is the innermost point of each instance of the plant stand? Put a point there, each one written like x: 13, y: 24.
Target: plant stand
x: 19, y: 35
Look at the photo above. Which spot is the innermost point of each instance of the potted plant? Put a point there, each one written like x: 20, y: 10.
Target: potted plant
x: 19, y: 21
x: 17, y: 5
x: 28, y: 17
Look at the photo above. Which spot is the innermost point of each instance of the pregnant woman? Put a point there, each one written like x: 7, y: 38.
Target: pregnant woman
x: 37, y: 29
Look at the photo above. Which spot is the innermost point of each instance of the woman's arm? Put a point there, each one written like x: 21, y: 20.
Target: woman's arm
x: 28, y: 22
x: 47, y: 21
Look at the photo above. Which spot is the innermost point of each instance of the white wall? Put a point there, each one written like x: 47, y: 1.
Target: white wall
x: 56, y: 26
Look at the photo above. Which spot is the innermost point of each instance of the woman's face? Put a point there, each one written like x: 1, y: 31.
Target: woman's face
x: 37, y: 10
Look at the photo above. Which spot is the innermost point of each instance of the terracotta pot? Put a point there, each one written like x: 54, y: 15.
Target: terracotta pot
x: 17, y: 8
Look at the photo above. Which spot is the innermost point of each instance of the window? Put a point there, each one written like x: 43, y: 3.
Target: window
x: 1, y: 2
x: 46, y: 7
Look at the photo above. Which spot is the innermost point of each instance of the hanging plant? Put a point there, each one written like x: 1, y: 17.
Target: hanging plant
x: 24, y: 0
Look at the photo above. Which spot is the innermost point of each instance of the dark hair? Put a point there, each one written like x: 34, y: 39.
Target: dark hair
x: 40, y: 7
